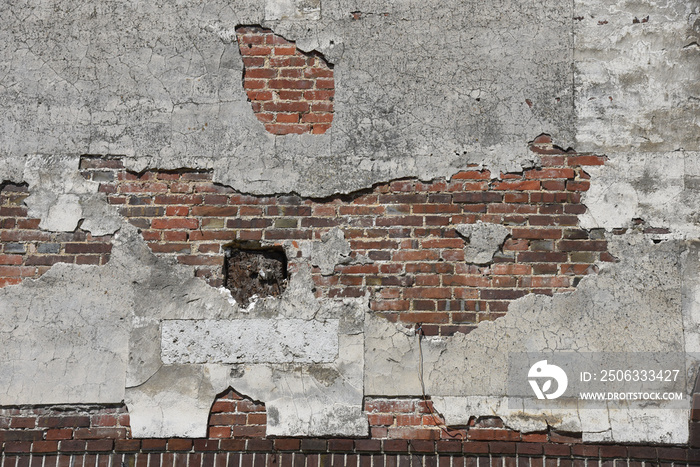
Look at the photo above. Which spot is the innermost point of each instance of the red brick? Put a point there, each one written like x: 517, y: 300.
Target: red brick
x: 100, y: 445
x: 558, y: 450
x: 413, y: 433
x: 153, y: 444
x: 286, y: 129
x: 127, y: 445
x: 45, y: 446
x: 290, y: 84
x: 177, y: 211
x: 59, y: 434
x: 219, y: 432
x: 524, y: 185
x: 99, y: 433
x: 170, y: 247
x: 256, y: 50
x: 279, y: 61
x: 287, y: 444
x: 72, y: 445
x: 318, y: 95
x: 586, y: 160
x: 286, y: 106
x: 550, y: 173
x: 327, y: 83
x: 257, y: 431
x: 174, y: 223
x: 380, y: 419
x: 285, y: 50
x: 215, y: 211
x: 582, y: 185
x: 317, y: 118
x: 287, y: 118
x: 290, y: 73
x: 318, y: 72
x: 422, y: 317
x: 186, y: 200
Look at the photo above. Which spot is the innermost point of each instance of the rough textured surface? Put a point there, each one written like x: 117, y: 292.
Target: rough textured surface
x: 659, y: 189
x: 162, y: 82
x: 249, y: 341
x: 251, y: 274
x: 423, y: 92
x: 331, y: 251
x: 637, y: 65
x: 61, y: 198
x: 640, y: 296
x: 483, y: 241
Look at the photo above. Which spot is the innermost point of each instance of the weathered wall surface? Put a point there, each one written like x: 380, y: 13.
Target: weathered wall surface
x: 163, y: 83
x: 400, y: 155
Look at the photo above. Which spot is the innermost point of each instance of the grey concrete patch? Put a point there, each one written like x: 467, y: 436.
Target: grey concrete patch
x: 483, y: 241
x: 161, y: 83
x: 332, y: 250
x: 175, y: 401
x: 249, y: 341
x: 637, y: 65
x: 655, y: 187
x: 61, y: 197
x: 276, y: 10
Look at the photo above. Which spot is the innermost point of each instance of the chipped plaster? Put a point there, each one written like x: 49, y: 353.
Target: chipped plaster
x: 449, y: 85
x: 631, y: 306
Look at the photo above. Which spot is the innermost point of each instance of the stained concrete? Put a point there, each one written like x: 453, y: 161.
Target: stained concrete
x: 421, y: 91
x: 659, y: 189
x: 631, y: 306
x: 483, y: 241
x: 61, y: 197
x: 637, y: 65
x: 331, y: 251
x: 161, y: 83
x: 89, y: 334
x: 249, y: 341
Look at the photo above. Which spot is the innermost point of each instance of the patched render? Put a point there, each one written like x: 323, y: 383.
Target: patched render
x: 422, y: 92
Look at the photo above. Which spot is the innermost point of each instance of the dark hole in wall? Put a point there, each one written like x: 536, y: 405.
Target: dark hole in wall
x: 253, y: 270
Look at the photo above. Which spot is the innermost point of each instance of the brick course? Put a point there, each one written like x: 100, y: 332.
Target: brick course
x: 417, y: 272
x: 26, y: 251
x: 291, y: 91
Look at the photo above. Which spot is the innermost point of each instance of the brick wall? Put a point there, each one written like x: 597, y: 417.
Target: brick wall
x: 28, y: 252
x: 406, y: 227
x: 418, y: 274
x: 100, y: 436
x: 291, y: 91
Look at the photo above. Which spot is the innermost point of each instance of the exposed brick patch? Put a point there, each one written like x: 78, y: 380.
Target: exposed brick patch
x: 76, y: 434
x: 291, y: 91
x: 406, y: 227
x: 31, y: 449
x: 28, y: 252
x: 237, y: 416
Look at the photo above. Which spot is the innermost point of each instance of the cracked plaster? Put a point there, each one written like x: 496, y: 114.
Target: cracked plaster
x: 449, y: 86
x: 88, y: 334
x: 161, y: 83
x: 332, y: 250
x: 61, y: 197
x: 631, y: 306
